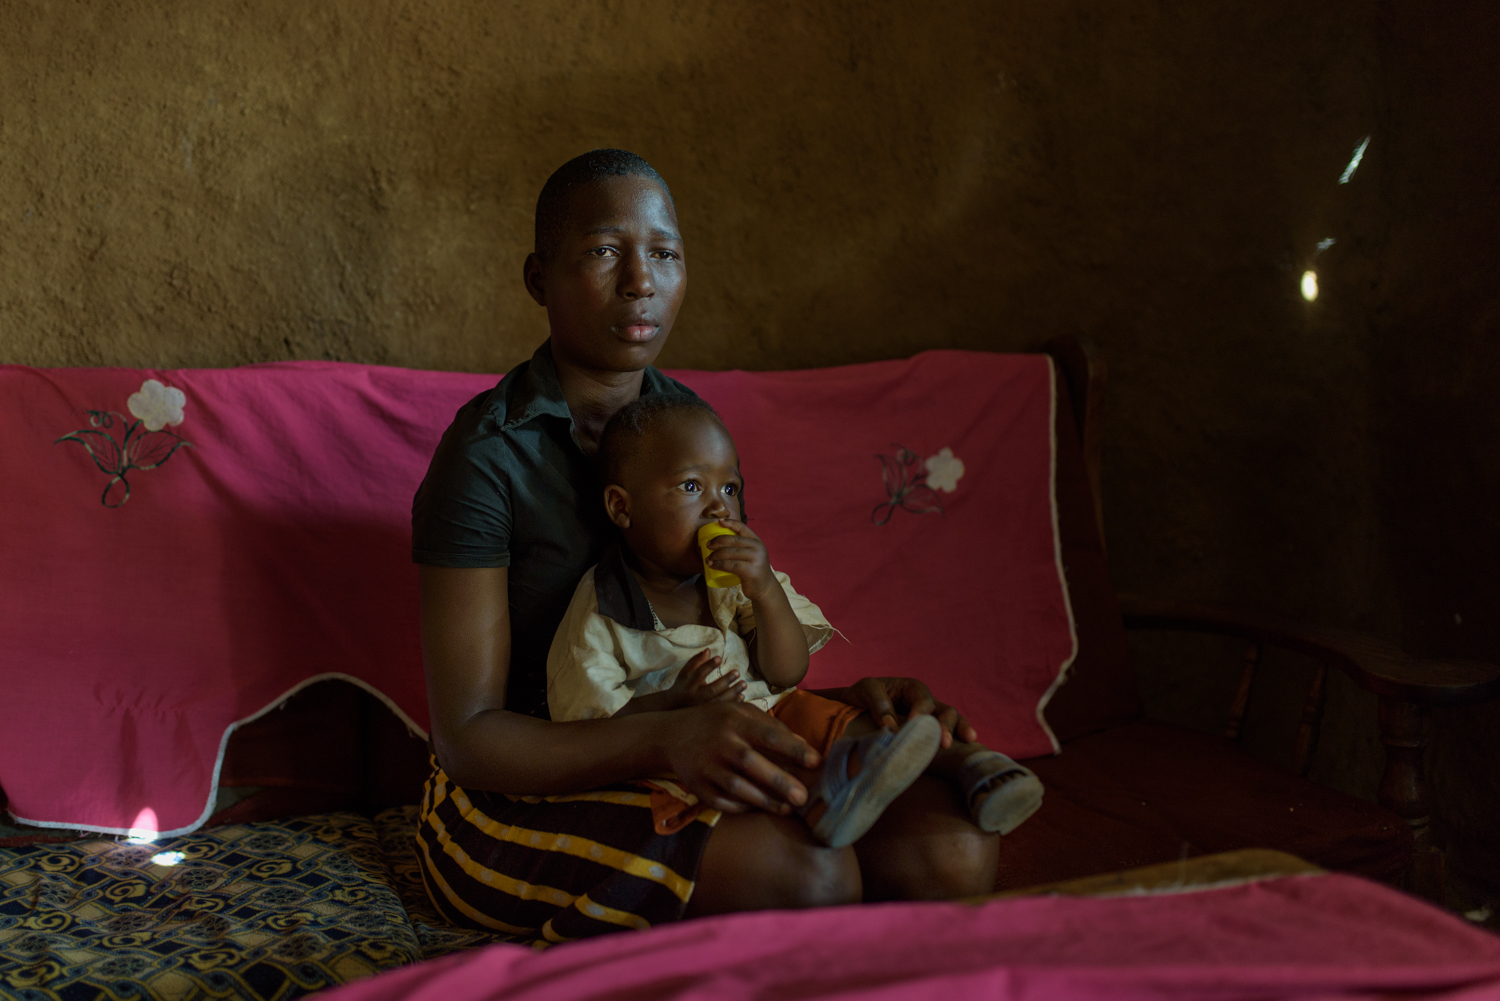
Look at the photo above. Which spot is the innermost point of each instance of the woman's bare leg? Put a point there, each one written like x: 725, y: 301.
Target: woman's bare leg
x: 758, y: 861
x: 925, y: 847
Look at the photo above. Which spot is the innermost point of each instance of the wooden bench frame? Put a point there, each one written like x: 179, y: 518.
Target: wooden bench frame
x: 1407, y: 686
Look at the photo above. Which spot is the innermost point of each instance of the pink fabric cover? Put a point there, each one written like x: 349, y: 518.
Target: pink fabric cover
x: 1294, y: 938
x: 273, y: 549
x: 961, y: 585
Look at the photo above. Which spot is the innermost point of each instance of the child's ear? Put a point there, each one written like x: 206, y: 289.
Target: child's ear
x: 617, y: 505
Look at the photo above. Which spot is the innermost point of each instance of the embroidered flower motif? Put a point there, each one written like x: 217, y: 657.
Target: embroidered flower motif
x: 906, y: 485
x: 944, y: 470
x: 157, y: 405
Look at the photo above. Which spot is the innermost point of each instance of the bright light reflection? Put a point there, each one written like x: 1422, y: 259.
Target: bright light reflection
x: 1359, y: 154
x: 1309, y: 285
x: 168, y: 858
x: 1324, y: 244
x: 144, y: 829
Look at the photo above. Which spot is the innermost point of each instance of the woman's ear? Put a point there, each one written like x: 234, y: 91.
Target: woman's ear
x: 617, y: 505
x: 531, y: 277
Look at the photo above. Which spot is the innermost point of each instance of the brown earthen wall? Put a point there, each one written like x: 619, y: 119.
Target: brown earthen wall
x: 212, y: 183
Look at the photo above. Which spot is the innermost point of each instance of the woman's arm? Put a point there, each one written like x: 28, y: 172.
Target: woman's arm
x: 718, y: 750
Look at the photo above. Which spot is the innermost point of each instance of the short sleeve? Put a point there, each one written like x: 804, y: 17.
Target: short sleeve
x: 814, y: 626
x: 461, y: 515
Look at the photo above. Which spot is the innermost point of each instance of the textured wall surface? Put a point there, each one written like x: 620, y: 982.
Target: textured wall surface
x: 214, y: 183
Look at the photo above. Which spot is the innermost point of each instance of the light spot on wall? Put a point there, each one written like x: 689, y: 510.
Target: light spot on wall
x: 1309, y: 285
x: 1359, y: 154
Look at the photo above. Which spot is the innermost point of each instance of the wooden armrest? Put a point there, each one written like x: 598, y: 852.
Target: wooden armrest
x: 1407, y: 686
x: 1374, y: 664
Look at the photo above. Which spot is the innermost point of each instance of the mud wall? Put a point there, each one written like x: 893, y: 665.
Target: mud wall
x: 215, y: 183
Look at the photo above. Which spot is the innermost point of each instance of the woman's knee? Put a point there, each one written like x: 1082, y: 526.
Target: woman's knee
x: 819, y: 876
x: 963, y: 865
x: 927, y: 848
x: 760, y: 862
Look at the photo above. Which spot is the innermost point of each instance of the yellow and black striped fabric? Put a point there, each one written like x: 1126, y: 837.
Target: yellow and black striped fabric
x: 548, y: 869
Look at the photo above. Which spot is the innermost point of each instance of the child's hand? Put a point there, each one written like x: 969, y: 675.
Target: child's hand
x: 693, y: 689
x: 744, y: 555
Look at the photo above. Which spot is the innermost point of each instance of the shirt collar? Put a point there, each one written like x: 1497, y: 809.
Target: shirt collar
x: 539, y: 391
x: 619, y: 593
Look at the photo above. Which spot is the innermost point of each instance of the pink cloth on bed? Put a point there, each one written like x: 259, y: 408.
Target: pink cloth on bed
x: 273, y: 548
x: 1301, y: 937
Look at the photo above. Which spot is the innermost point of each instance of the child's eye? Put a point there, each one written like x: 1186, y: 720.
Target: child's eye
x: 731, y: 489
x: 691, y: 486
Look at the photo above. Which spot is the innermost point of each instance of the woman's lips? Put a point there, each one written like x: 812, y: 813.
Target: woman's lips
x: 639, y: 331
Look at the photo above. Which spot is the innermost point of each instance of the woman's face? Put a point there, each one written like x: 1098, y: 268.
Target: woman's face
x: 615, y: 277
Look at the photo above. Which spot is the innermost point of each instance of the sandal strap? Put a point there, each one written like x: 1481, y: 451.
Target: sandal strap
x: 984, y: 769
x: 836, y: 764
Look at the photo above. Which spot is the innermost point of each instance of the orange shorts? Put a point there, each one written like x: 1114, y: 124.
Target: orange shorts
x: 817, y: 720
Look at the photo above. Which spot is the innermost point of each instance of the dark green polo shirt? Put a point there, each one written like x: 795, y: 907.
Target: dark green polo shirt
x: 509, y: 487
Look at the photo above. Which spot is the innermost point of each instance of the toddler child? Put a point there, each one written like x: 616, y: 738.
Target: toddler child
x: 644, y: 633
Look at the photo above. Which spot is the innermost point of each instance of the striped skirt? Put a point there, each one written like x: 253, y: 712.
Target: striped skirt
x: 547, y: 869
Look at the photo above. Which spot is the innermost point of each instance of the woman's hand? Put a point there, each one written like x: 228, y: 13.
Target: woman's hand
x: 723, y: 753
x: 744, y: 555
x: 891, y: 700
x: 692, y: 687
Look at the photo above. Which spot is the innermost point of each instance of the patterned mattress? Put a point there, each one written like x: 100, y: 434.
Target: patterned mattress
x: 258, y: 911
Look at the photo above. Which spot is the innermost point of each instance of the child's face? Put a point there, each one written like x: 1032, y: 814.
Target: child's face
x: 683, y: 475
x: 615, y: 278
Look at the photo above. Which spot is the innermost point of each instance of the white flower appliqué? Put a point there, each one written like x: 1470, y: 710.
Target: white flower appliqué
x: 944, y: 470
x: 157, y: 406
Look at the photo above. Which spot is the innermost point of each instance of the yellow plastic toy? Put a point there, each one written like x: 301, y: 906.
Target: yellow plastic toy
x: 711, y: 577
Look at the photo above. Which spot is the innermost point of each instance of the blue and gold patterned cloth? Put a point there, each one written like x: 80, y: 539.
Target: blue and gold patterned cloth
x: 256, y: 911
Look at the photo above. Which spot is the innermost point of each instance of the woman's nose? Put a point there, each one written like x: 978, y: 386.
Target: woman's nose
x: 635, y: 278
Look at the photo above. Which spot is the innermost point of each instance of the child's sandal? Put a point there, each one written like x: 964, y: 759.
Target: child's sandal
x: 1001, y: 794
x: 888, y: 764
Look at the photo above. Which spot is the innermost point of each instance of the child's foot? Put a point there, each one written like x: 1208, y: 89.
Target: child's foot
x: 1001, y: 793
x: 887, y: 764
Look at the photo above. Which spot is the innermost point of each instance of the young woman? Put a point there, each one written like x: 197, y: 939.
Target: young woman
x: 538, y: 829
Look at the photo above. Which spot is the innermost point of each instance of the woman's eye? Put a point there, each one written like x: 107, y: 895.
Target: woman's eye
x: 665, y: 255
x: 603, y: 252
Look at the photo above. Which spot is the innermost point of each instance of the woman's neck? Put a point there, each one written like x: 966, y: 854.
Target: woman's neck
x: 594, y: 396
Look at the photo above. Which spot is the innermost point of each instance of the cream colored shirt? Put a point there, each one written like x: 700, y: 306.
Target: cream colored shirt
x: 597, y: 663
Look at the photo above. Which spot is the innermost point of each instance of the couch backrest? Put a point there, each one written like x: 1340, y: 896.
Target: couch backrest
x: 263, y: 544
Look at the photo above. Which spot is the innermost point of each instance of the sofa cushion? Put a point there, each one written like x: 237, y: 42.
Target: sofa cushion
x: 1149, y: 792
x: 252, y: 911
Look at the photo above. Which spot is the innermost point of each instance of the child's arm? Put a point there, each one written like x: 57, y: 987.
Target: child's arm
x: 690, y: 688
x: 779, y: 648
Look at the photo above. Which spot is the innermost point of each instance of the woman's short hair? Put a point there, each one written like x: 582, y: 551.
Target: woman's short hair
x: 552, y: 203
